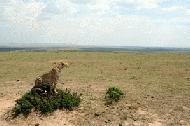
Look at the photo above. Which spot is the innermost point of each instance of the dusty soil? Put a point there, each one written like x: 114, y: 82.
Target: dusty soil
x: 93, y: 111
x: 156, y: 86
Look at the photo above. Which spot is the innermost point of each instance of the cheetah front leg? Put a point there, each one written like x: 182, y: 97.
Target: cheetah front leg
x: 54, y: 88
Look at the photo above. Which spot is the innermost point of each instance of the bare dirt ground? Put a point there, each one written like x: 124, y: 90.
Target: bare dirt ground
x: 92, y: 111
x: 156, y: 86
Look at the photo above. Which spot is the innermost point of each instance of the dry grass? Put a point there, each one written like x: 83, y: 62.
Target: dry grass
x: 158, y: 83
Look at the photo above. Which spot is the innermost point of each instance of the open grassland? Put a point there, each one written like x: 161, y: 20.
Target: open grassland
x: 156, y: 86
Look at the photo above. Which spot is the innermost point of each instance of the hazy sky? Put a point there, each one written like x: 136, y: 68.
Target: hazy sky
x: 164, y: 23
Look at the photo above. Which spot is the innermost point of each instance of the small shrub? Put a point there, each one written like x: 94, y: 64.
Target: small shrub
x: 46, y: 107
x: 45, y: 104
x: 113, y: 94
x: 23, y: 106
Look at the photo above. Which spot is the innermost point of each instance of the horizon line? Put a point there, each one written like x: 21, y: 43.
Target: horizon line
x: 64, y: 45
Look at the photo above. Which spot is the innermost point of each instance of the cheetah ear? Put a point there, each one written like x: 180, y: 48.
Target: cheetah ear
x: 54, y: 64
x: 64, y: 64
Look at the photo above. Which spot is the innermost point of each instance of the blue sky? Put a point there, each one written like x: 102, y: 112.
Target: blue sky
x: 163, y: 23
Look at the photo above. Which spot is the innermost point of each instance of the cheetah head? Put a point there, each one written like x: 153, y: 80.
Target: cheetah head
x: 64, y: 64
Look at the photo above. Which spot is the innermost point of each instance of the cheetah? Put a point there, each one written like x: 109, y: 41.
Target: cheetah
x: 51, y: 78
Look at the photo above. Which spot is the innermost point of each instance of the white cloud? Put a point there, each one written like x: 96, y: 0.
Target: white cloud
x: 188, y: 12
x: 141, y: 4
x: 150, y: 3
x: 94, y: 22
x: 175, y: 9
x: 20, y: 12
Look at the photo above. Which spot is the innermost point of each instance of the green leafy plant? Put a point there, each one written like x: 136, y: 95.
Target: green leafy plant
x: 113, y: 94
x: 45, y: 104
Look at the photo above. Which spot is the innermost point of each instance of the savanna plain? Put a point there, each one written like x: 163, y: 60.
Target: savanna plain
x: 156, y: 87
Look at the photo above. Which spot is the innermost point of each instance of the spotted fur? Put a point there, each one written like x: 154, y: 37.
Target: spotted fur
x: 51, y: 78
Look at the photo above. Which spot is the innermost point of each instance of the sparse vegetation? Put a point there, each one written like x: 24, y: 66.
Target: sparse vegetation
x: 113, y: 94
x: 45, y: 104
x: 160, y: 85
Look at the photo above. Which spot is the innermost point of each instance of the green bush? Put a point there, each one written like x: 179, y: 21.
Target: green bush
x: 23, y: 106
x: 113, y: 94
x: 45, y: 104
